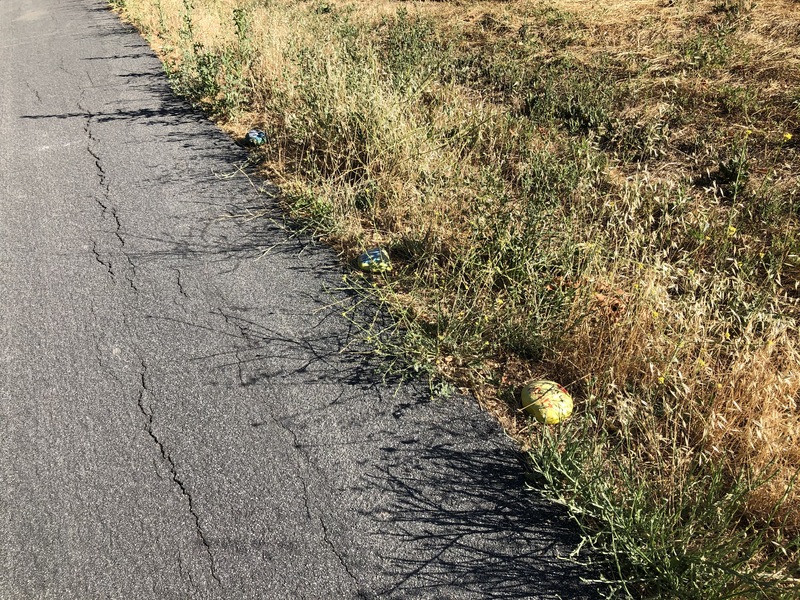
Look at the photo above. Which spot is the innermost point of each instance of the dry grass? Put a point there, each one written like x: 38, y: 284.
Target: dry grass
x: 605, y: 193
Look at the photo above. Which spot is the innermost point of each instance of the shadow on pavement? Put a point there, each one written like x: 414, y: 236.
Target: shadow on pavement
x: 473, y: 525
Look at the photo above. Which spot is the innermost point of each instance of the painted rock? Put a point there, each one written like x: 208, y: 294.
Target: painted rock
x: 375, y: 261
x: 256, y: 137
x: 547, y: 402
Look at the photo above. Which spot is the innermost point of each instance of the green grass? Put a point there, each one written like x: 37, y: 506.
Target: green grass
x: 686, y: 539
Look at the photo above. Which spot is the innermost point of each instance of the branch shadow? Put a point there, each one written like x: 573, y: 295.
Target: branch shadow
x: 473, y: 524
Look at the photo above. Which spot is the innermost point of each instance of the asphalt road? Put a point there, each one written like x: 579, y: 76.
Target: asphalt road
x: 185, y: 418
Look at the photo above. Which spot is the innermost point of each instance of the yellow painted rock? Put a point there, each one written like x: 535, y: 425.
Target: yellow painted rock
x: 547, y: 402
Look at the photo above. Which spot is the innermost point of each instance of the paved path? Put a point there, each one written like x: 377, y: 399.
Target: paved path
x: 181, y: 419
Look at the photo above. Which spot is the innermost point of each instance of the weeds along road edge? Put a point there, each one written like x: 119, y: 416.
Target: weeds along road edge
x: 610, y: 201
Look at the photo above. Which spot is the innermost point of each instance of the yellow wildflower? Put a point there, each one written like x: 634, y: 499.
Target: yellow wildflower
x: 787, y: 136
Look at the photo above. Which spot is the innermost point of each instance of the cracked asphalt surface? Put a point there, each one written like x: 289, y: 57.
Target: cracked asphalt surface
x: 183, y: 417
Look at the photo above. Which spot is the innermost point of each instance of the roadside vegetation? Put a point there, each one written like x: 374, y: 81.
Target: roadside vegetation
x: 606, y: 194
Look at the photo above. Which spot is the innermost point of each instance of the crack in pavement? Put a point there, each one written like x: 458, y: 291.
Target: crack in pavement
x: 147, y: 412
x: 91, y: 143
x: 182, y: 293
x: 118, y: 225
x: 335, y: 551
x: 61, y: 67
x: 130, y: 277
x: 295, y: 440
x: 181, y: 289
x: 99, y: 258
x: 307, y: 503
x: 35, y: 92
x: 104, y: 200
x: 118, y: 234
